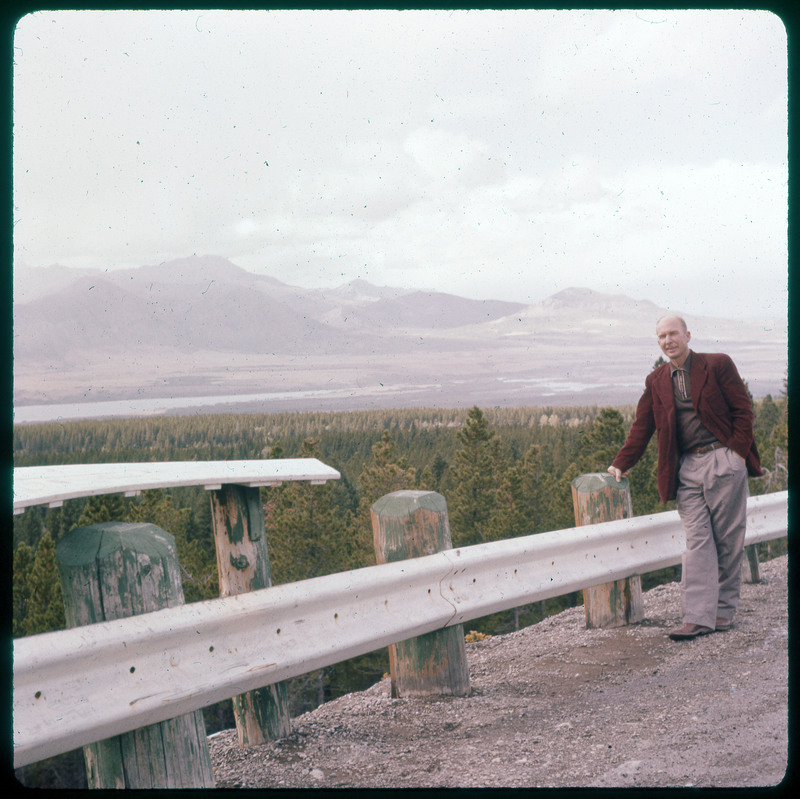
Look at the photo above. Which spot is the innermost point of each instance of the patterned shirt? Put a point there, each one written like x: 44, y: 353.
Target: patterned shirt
x: 691, y: 431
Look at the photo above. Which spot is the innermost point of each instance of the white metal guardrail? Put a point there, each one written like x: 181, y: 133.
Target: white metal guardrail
x: 81, y: 685
x: 52, y: 485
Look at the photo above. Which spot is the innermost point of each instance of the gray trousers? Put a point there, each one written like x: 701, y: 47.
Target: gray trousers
x: 712, y: 504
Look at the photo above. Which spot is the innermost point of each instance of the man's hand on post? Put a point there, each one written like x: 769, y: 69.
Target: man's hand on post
x: 617, y: 473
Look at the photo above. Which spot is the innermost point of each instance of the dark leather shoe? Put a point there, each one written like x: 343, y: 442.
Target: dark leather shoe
x: 688, y: 631
x: 723, y: 625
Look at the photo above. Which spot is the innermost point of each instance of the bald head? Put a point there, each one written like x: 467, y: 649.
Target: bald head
x: 671, y: 317
x: 673, y: 338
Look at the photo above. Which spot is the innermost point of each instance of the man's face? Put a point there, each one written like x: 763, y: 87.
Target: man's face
x: 673, y: 340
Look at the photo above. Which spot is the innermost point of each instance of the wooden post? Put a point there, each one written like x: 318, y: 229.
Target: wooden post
x: 243, y: 563
x: 111, y: 571
x: 410, y: 524
x: 750, y: 570
x: 598, y: 497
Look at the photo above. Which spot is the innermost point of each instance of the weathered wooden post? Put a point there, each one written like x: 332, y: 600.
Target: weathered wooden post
x: 111, y: 571
x: 243, y: 563
x: 750, y: 570
x: 410, y: 524
x: 598, y: 497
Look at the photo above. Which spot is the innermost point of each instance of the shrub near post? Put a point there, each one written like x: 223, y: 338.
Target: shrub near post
x: 243, y: 564
x: 598, y: 497
x: 111, y: 571
x: 410, y: 524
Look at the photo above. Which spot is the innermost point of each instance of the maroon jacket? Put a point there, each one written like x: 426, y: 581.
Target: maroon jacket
x: 721, y: 402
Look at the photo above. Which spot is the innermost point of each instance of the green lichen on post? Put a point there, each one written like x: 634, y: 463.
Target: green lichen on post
x: 409, y: 524
x: 598, y: 497
x: 431, y: 664
x: 596, y: 481
x: 256, y: 529
x: 104, y: 768
x: 261, y: 715
x: 403, y: 503
x: 115, y: 570
x: 232, y: 509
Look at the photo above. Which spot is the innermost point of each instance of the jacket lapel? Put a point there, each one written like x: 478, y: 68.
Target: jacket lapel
x: 663, y: 387
x: 698, y: 376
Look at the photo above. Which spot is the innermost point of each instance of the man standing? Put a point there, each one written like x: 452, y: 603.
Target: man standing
x: 699, y: 407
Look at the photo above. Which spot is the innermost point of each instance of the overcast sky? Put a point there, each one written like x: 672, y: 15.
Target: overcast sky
x: 502, y: 155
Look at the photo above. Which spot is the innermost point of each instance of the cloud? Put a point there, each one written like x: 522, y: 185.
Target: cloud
x: 448, y: 158
x: 497, y: 154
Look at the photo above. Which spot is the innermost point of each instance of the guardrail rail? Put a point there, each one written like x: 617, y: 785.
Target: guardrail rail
x: 81, y: 685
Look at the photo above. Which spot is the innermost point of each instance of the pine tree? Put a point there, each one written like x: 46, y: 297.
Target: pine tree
x: 561, y: 511
x: 426, y: 481
x: 643, y: 479
x: 276, y: 451
x: 775, y: 454
x: 198, y: 566
x: 767, y: 415
x: 533, y: 496
x: 29, y: 526
x: 23, y: 565
x: 103, y: 508
x: 439, y: 467
x: 59, y: 521
x: 308, y: 533
x: 509, y: 517
x: 384, y: 474
x: 45, y: 606
x: 602, y: 442
x: 474, y: 480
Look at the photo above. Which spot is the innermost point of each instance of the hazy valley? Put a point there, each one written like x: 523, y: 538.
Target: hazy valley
x: 201, y: 327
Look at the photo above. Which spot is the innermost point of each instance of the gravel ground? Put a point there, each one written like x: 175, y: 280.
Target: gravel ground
x: 557, y: 705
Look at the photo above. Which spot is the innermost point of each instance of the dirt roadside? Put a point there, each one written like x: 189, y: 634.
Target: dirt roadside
x: 557, y: 705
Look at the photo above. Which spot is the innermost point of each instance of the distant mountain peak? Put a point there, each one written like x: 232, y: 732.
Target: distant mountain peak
x: 578, y: 297
x: 578, y: 294
x: 574, y: 292
x: 360, y: 289
x: 193, y: 268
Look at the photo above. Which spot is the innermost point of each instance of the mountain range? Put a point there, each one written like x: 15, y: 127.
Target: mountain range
x: 203, y: 326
